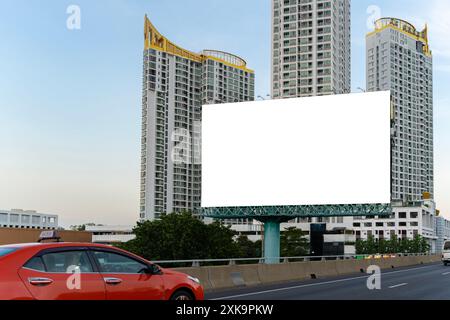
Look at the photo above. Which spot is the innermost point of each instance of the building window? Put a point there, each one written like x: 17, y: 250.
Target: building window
x: 402, y: 215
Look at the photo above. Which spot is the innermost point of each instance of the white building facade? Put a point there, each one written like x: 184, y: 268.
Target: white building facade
x: 27, y: 219
x: 111, y: 234
x: 405, y: 223
x: 442, y: 232
x: 310, y: 48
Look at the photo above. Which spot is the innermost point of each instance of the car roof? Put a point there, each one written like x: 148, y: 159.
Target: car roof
x: 45, y: 245
x: 50, y: 245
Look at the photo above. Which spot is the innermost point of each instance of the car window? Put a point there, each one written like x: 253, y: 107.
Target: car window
x: 117, y: 263
x: 447, y: 246
x: 67, y: 262
x: 5, y: 251
x: 35, y: 264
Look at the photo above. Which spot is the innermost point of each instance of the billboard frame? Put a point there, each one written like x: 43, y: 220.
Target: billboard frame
x: 291, y: 212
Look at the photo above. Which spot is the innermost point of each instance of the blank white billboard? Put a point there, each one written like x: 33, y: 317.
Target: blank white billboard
x: 304, y: 151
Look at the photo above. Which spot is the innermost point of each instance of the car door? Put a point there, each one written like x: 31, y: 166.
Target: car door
x: 66, y: 274
x: 127, y: 278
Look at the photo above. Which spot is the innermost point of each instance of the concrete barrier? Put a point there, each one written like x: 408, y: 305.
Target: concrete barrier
x: 437, y: 258
x: 351, y: 266
x: 301, y: 270
x: 226, y: 277
x: 272, y: 273
x: 250, y: 274
x: 321, y: 269
x: 415, y: 260
x: 221, y: 277
x: 389, y: 263
x: 201, y: 273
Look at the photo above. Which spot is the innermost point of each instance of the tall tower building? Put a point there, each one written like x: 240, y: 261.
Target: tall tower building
x: 176, y: 83
x: 310, y: 48
x: 399, y: 59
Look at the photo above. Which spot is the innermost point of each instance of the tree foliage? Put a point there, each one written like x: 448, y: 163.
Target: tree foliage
x: 182, y: 237
x: 248, y: 249
x: 394, y: 245
x: 294, y: 243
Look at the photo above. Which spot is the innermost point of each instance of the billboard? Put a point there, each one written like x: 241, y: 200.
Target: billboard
x: 325, y: 150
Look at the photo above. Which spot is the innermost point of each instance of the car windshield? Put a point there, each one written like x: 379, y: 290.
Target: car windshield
x: 447, y: 246
x: 5, y: 251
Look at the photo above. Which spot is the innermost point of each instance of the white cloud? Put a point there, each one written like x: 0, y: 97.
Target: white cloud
x: 439, y: 27
x: 435, y: 14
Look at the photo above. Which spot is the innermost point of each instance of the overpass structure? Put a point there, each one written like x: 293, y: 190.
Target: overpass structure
x: 273, y: 216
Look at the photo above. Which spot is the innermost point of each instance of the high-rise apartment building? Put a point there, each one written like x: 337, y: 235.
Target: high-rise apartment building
x: 310, y: 57
x: 399, y: 59
x: 310, y: 48
x: 176, y: 83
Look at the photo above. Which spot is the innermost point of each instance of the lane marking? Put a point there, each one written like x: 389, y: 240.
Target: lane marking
x: 445, y: 273
x: 398, y: 285
x: 313, y: 284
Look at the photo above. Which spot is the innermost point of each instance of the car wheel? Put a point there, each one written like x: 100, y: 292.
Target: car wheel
x: 445, y: 263
x: 182, y: 295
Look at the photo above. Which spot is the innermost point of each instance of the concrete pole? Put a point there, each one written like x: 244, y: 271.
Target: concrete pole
x: 272, y: 241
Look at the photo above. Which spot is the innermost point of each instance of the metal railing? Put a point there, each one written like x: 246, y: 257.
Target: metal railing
x: 234, y: 261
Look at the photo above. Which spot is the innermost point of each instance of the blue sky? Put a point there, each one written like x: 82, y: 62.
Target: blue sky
x: 70, y: 100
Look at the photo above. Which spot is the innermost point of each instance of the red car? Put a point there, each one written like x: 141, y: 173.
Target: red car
x: 86, y: 271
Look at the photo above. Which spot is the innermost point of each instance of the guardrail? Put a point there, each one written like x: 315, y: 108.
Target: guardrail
x: 234, y: 261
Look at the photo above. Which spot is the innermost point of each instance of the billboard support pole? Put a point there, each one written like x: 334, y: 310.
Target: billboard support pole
x: 272, y: 241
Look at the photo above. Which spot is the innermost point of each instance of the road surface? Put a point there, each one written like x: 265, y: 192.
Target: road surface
x: 424, y: 282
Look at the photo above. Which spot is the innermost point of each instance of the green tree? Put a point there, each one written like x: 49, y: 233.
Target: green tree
x: 371, y: 246
x: 247, y: 248
x: 182, y: 237
x: 221, y: 244
x: 383, y: 246
x: 393, y: 244
x: 404, y: 246
x: 360, y: 246
x: 294, y: 243
x: 424, y: 246
x: 415, y: 245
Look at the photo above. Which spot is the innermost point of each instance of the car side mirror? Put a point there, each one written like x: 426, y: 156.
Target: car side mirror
x: 154, y: 269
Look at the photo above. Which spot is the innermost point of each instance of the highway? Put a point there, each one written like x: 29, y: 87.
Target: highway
x: 423, y: 282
